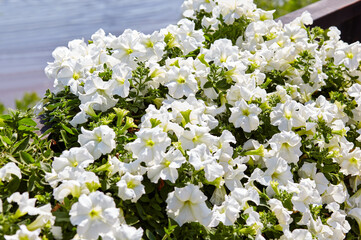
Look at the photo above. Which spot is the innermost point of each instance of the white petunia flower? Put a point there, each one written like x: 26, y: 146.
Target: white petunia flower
x: 227, y: 213
x: 8, y: 170
x: 287, y: 145
x: 45, y: 217
x: 350, y: 162
x: 26, y: 204
x: 94, y: 215
x: 70, y: 187
x: 308, y: 170
x: 130, y: 187
x: 154, y: 46
x: 282, y: 214
x: 305, y: 194
x: 57, y: 232
x: 355, y: 92
x: 99, y: 92
x: 167, y: 168
x: 187, y: 204
x: 277, y: 170
x: 201, y: 158
x: 349, y: 55
x: 355, y: 213
x: 86, y: 110
x: 98, y: 141
x: 287, y: 116
x: 75, y: 157
x: 242, y: 195
x: 149, y: 145
x: 195, y: 136
x: 338, y: 219
x: 335, y: 193
x: 189, y: 37
x: 120, y: 80
x: 24, y: 233
x: 74, y: 181
x: 233, y: 175
x: 127, y: 47
x: 245, y: 116
x: 224, y: 150
x: 189, y: 7
x: 124, y: 232
x: 254, y: 220
x: 181, y: 82
x: 222, y: 52
x: 297, y: 234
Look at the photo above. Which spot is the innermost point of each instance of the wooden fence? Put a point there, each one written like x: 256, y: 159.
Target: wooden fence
x: 344, y: 14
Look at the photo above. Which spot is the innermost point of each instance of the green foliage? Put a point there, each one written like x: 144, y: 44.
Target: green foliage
x: 2, y: 108
x: 28, y: 101
x: 228, y: 31
x: 20, y: 143
x: 283, y: 7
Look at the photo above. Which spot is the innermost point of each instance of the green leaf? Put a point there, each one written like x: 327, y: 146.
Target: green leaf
x: 140, y: 211
x: 21, y: 145
x: 208, y: 84
x: 31, y: 181
x: 67, y: 129
x: 27, y: 121
x: 131, y: 220
x: 223, y: 84
x: 156, y: 207
x: 64, y: 137
x: 26, y: 157
x: 26, y: 128
x: 149, y: 234
x: 5, y: 141
x: 61, y: 217
x: 13, y: 184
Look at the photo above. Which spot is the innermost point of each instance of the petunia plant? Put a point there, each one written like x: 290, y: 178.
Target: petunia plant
x: 227, y: 125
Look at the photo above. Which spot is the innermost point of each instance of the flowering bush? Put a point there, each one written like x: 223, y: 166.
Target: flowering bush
x: 228, y: 125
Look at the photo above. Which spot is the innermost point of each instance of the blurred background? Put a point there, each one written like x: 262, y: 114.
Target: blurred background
x: 31, y: 29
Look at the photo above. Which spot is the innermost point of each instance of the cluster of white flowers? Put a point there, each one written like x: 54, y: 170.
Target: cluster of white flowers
x: 257, y: 118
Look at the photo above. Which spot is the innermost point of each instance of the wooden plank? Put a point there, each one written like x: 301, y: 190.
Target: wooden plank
x: 328, y: 12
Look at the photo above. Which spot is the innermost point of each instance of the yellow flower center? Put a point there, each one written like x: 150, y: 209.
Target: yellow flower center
x: 92, y: 70
x: 167, y: 163
x: 121, y: 81
x: 349, y: 55
x: 263, y: 17
x: 353, y: 161
x: 245, y: 112
x: 181, y: 80
x: 288, y: 115
x: 76, y: 76
x: 129, y: 51
x: 74, y: 163
x: 149, y: 143
x: 285, y: 145
x: 95, y: 213
x: 149, y: 44
x: 275, y: 175
x: 131, y: 184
